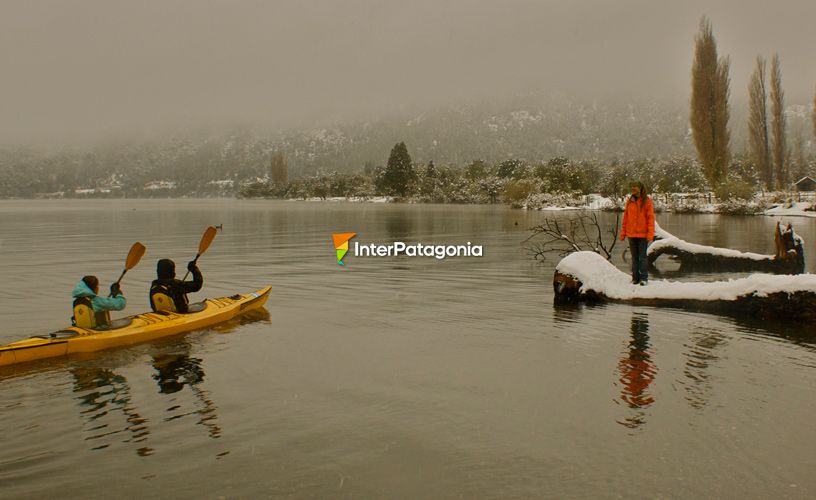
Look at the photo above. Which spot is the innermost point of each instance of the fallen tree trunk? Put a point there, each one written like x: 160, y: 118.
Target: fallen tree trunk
x: 588, y: 277
x: 788, y: 259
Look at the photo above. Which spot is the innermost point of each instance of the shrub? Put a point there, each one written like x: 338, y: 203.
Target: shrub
x: 734, y: 189
x: 510, y: 169
x: 476, y: 170
x: 516, y: 192
x: 740, y: 207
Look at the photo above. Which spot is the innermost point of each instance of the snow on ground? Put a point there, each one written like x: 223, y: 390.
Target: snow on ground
x: 374, y: 199
x: 797, y: 209
x: 559, y: 209
x: 598, y: 202
x: 590, y: 202
x: 599, y: 275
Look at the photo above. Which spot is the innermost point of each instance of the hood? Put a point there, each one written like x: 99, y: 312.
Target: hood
x: 82, y: 290
x: 166, y: 269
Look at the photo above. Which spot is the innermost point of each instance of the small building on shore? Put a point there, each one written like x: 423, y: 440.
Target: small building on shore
x: 806, y: 183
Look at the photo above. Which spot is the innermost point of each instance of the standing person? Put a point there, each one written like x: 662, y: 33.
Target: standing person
x: 170, y: 294
x: 639, y: 227
x: 91, y: 310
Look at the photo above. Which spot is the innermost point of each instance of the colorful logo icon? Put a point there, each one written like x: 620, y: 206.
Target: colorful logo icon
x: 341, y: 245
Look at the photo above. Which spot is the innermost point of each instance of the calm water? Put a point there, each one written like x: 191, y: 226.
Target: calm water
x: 391, y: 377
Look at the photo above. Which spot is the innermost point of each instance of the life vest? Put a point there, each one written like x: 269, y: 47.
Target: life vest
x: 161, y: 298
x: 86, y: 317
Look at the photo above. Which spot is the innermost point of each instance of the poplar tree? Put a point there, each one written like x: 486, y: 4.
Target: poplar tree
x: 758, y: 124
x: 813, y: 115
x: 799, y: 155
x: 709, y: 105
x: 778, y: 146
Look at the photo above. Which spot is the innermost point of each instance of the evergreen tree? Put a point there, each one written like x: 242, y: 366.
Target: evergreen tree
x: 399, y: 176
x: 758, y: 124
x: 778, y: 125
x: 278, y: 169
x: 429, y: 183
x: 430, y: 170
x: 709, y: 105
x: 509, y: 168
x: 476, y: 170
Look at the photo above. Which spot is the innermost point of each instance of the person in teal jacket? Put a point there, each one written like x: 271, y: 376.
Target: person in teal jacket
x: 91, y: 310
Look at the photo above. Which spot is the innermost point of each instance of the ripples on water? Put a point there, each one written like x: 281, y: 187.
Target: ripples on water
x: 391, y: 377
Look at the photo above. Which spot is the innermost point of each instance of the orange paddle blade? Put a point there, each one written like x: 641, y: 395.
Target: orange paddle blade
x: 209, y: 236
x: 135, y: 255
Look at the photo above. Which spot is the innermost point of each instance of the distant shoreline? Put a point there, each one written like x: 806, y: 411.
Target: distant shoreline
x: 679, y: 203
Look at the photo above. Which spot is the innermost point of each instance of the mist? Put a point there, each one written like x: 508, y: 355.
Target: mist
x: 86, y: 71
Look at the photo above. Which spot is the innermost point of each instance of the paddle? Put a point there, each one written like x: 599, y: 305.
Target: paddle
x: 133, y: 258
x: 206, y: 239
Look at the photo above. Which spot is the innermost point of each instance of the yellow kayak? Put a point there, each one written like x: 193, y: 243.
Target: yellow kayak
x: 131, y: 330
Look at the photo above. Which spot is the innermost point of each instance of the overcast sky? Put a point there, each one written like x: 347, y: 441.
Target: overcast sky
x: 90, y: 69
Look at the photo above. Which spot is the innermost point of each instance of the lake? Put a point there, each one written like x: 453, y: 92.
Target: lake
x: 390, y: 377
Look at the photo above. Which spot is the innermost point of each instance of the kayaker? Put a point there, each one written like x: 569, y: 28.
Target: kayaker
x: 91, y: 310
x: 170, y: 294
x: 639, y: 227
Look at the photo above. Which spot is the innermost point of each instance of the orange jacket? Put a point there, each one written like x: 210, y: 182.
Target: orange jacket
x: 638, y: 219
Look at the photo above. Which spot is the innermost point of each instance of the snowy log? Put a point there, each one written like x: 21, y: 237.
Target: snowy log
x: 788, y: 259
x: 586, y: 276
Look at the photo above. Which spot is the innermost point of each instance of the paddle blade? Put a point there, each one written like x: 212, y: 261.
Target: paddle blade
x: 209, y: 236
x: 134, y: 256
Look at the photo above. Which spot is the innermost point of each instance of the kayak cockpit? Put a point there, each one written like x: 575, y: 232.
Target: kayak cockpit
x: 196, y: 307
x: 59, y: 334
x: 115, y: 325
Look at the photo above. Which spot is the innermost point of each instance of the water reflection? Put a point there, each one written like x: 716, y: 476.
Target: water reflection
x: 571, y: 311
x: 700, y: 354
x: 107, y: 408
x: 173, y: 373
x: 399, y: 226
x: 791, y: 331
x: 566, y: 311
x: 636, y: 372
x: 109, y: 411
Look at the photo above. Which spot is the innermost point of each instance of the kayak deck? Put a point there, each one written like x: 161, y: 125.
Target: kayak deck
x: 131, y: 330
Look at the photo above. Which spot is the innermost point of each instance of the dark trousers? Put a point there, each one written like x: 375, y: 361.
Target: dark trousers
x: 640, y: 265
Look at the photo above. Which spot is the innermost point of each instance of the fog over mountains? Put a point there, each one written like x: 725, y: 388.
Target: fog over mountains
x: 89, y: 71
x: 100, y: 92
x: 534, y: 128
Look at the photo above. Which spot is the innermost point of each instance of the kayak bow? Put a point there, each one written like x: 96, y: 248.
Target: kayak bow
x: 131, y: 330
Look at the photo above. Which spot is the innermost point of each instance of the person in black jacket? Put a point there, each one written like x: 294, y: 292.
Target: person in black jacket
x: 175, y: 289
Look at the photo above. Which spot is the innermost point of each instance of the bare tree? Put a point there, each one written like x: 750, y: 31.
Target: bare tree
x: 778, y: 146
x: 578, y: 233
x: 758, y: 124
x: 278, y: 169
